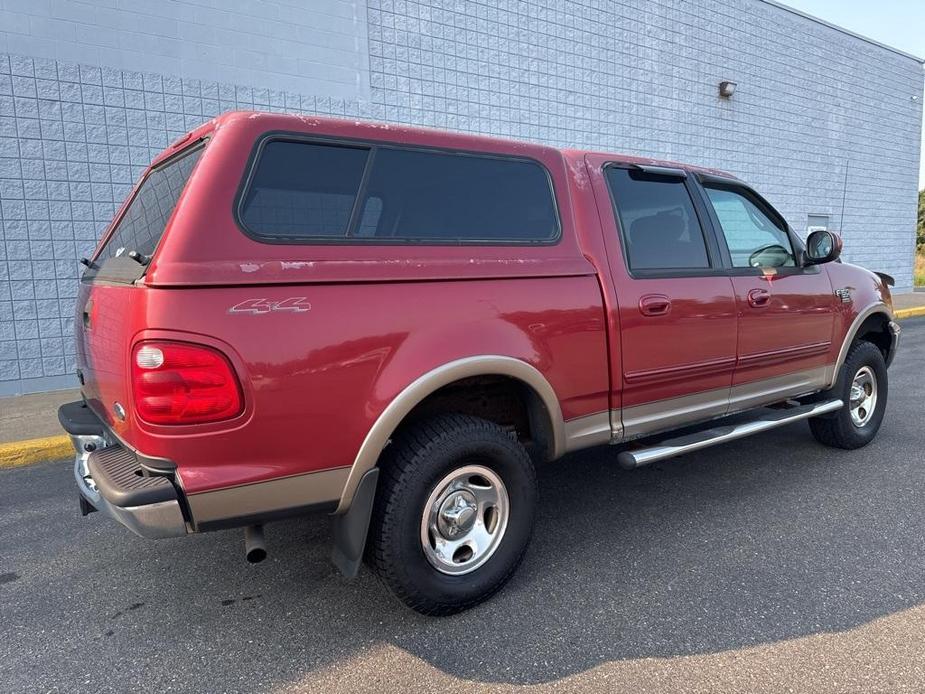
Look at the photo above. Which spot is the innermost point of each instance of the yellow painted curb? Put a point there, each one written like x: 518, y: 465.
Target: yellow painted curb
x: 35, y: 451
x: 910, y: 312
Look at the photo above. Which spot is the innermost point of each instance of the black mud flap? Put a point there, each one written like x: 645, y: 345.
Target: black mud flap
x: 350, y: 528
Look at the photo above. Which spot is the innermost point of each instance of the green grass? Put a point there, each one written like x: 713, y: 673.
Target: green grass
x: 920, y: 269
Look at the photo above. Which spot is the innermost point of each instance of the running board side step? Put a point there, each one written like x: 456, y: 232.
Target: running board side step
x: 710, y: 437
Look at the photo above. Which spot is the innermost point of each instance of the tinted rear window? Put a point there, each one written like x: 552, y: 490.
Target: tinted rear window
x: 306, y: 191
x: 657, y: 218
x: 143, y: 223
x: 303, y: 190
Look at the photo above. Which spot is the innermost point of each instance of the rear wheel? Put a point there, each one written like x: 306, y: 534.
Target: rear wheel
x: 863, y: 387
x: 453, y: 515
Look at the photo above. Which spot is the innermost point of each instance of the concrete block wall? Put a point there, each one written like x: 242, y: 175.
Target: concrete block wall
x: 317, y: 47
x: 73, y: 140
x: 642, y: 76
x: 85, y: 103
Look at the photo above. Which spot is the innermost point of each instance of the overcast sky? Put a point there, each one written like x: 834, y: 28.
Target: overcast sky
x: 897, y: 23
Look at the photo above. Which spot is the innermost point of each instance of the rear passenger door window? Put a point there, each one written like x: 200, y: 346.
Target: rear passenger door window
x: 676, y: 346
x: 659, y: 224
x: 317, y: 192
x: 754, y: 238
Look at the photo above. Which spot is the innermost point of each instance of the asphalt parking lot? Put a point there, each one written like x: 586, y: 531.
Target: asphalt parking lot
x: 768, y: 564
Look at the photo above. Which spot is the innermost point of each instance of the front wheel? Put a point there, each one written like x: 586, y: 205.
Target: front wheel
x: 453, y: 515
x: 863, y: 387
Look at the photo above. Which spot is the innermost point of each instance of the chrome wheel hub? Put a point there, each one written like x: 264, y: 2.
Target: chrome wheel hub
x: 457, y: 514
x: 464, y: 519
x: 863, y: 396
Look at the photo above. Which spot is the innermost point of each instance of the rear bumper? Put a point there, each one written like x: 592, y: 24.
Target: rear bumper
x: 111, y: 480
x: 153, y: 520
x: 144, y: 493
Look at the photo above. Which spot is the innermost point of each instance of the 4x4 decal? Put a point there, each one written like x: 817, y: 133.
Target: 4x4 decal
x: 295, y: 304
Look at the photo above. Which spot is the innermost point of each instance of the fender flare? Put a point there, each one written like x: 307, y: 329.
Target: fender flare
x: 851, y: 334
x: 428, y: 383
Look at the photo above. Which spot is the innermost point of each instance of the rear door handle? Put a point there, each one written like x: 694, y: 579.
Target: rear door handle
x: 758, y: 298
x: 654, y: 305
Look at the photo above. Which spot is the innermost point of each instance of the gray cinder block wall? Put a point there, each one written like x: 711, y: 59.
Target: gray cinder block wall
x: 90, y: 92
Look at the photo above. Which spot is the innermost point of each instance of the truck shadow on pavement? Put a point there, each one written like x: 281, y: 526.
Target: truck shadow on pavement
x: 767, y: 540
x: 758, y: 541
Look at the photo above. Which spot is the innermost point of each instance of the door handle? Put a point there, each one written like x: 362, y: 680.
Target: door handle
x: 758, y: 298
x: 654, y: 305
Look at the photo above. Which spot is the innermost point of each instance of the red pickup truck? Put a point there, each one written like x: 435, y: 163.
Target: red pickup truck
x: 395, y: 325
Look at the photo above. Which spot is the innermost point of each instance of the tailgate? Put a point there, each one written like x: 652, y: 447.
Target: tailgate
x: 104, y: 327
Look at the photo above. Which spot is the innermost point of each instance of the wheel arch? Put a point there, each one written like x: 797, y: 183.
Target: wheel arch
x: 873, y: 324
x: 545, y: 405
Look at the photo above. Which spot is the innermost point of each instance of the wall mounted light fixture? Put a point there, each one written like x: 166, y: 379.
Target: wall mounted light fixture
x: 727, y: 88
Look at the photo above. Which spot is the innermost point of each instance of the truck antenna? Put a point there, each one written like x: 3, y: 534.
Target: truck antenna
x: 844, y: 194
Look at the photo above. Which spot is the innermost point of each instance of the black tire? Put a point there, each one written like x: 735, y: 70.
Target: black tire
x: 837, y: 429
x: 417, y: 460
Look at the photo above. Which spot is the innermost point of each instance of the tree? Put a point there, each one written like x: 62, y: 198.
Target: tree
x: 920, y: 228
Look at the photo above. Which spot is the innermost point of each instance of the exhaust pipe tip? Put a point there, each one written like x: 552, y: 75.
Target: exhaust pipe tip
x: 256, y: 555
x: 255, y: 549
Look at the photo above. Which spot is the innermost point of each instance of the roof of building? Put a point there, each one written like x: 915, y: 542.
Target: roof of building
x: 841, y: 29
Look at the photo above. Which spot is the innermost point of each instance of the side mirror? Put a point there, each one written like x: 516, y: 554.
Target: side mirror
x: 822, y: 247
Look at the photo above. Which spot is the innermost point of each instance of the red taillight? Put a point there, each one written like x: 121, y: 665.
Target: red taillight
x: 182, y: 383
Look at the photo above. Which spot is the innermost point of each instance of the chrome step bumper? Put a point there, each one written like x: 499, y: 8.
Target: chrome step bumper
x: 152, y: 520
x: 711, y: 437
x: 110, y: 479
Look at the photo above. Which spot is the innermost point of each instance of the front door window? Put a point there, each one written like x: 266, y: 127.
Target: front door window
x: 753, y: 237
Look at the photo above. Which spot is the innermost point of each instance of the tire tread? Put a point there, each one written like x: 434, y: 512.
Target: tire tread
x: 409, y: 449
x: 837, y: 430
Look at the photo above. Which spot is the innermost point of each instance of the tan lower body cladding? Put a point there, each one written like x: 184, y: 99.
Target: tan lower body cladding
x: 664, y: 415
x: 314, y: 489
x: 318, y: 489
